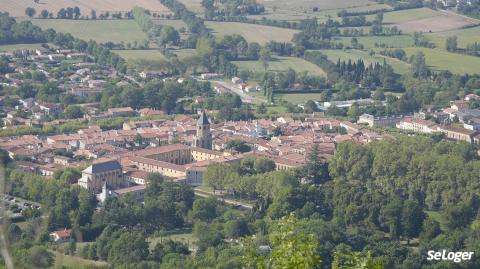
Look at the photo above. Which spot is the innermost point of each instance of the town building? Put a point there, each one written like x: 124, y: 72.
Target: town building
x: 101, y: 172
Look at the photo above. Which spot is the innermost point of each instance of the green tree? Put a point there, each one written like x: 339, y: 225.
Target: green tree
x: 412, y: 219
x: 290, y: 246
x: 263, y: 165
x: 30, y: 12
x: 73, y: 112
x: 39, y: 257
x: 451, y: 43
x: 354, y: 260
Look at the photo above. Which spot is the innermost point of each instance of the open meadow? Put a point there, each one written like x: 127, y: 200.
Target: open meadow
x: 464, y: 37
x: 439, y: 59
x: 345, y: 55
x: 132, y: 55
x: 298, y: 98
x: 426, y: 20
x: 398, y: 41
x: 252, y: 32
x: 101, y: 31
x: 19, y: 47
x: 17, y: 8
x: 279, y: 63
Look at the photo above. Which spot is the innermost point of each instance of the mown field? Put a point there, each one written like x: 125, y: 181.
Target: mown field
x: 19, y: 47
x: 309, y: 4
x: 279, y: 63
x: 116, y: 31
x: 464, y: 37
x: 177, y: 24
x: 426, y: 20
x: 439, y: 59
x: 370, y: 41
x: 17, y: 8
x: 62, y: 260
x: 344, y: 55
x: 298, y: 98
x: 252, y: 32
x: 132, y: 55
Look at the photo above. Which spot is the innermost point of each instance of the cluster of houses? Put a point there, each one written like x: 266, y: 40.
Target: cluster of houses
x: 458, y: 122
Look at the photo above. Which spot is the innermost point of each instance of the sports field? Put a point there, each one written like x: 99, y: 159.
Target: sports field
x: 101, y: 31
x: 252, y: 32
x: 17, y: 8
x: 132, y: 55
x: 279, y: 63
x: 345, y: 55
x: 439, y: 59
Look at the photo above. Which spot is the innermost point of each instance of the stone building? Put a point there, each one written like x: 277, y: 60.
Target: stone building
x: 100, y: 172
x: 203, y: 139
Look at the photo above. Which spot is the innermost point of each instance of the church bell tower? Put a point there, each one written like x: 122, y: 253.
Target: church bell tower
x: 203, y: 139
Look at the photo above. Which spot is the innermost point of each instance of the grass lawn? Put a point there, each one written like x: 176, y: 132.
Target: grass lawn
x: 438, y: 217
x: 193, y: 5
x: 369, y: 41
x: 298, y: 98
x: 19, y: 47
x: 280, y: 63
x: 74, y: 261
x: 252, y: 32
x: 132, y: 55
x: 185, y: 237
x: 309, y: 4
x: 184, y: 53
x: 344, y: 55
x: 464, y: 37
x: 177, y: 24
x: 101, y: 31
x: 439, y: 59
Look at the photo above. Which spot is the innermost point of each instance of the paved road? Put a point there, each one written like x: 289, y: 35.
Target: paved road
x: 227, y: 201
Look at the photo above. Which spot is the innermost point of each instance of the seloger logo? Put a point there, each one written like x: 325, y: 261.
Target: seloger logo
x: 449, y: 256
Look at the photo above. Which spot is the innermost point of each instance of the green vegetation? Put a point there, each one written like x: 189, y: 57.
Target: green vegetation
x: 439, y: 59
x: 102, y: 31
x: 252, y: 32
x: 299, y: 98
x: 374, y: 41
x: 134, y: 55
x: 465, y: 37
x: 279, y: 63
x: 19, y: 47
x: 345, y: 55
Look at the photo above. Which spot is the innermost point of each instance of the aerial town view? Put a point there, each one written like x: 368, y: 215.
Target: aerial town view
x: 240, y: 134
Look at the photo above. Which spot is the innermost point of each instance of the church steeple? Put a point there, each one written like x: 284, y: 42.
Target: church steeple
x: 203, y: 139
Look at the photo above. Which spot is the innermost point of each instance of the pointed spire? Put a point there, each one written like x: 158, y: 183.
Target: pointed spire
x: 203, y: 120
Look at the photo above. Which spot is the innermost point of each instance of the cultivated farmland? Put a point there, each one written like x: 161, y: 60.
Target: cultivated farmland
x: 464, y: 37
x: 17, y: 7
x: 115, y: 31
x: 252, y: 32
x: 427, y: 20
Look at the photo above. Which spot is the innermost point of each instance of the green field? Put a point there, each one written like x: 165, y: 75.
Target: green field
x: 280, y: 63
x: 193, y: 5
x: 464, y: 37
x: 369, y: 41
x: 252, y: 32
x: 177, y: 24
x: 185, y: 53
x: 62, y: 260
x: 19, y: 47
x: 298, y: 98
x: 344, y: 55
x: 101, y: 31
x: 132, y: 55
x: 438, y: 59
